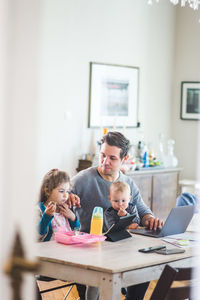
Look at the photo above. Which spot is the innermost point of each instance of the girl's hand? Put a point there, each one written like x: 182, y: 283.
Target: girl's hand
x: 133, y: 226
x: 66, y: 212
x: 50, y: 209
x: 122, y: 212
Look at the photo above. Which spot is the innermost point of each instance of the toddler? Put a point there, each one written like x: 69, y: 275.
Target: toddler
x: 54, y: 211
x: 119, y: 196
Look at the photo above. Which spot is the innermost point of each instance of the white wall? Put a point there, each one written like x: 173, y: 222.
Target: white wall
x: 18, y: 74
x: 75, y: 32
x: 187, y: 68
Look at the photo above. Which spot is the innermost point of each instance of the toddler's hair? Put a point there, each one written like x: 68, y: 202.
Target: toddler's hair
x: 50, y: 181
x: 120, y: 186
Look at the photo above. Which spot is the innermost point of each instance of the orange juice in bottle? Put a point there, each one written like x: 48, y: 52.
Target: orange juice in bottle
x: 97, y: 221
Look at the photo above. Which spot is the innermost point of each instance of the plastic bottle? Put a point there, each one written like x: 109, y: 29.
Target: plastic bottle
x: 97, y: 221
x: 146, y: 157
x: 141, y: 150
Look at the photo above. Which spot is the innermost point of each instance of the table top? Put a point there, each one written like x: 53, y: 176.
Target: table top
x: 106, y: 256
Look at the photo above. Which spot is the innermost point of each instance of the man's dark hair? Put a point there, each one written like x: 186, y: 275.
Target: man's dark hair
x: 115, y: 138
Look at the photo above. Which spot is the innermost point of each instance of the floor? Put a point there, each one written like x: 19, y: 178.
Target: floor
x: 60, y: 293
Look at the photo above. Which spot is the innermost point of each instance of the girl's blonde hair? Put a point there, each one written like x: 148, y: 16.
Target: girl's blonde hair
x: 50, y: 181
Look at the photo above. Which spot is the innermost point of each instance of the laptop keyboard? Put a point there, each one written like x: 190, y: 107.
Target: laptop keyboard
x: 153, y: 232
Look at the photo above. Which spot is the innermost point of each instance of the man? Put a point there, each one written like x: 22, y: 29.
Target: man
x: 92, y: 186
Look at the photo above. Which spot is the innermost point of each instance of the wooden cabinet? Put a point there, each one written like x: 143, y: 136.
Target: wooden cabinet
x: 158, y: 188
x: 165, y: 192
x: 144, y: 183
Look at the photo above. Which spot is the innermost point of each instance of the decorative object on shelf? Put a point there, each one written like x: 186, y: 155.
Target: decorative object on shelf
x: 161, y: 155
x: 105, y: 131
x: 171, y: 160
x: 83, y: 164
x: 190, y: 100
x: 167, y: 158
x: 192, y: 3
x: 113, y: 96
x: 141, y: 157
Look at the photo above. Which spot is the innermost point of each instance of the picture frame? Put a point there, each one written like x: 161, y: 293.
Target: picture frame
x: 113, y: 95
x: 190, y: 100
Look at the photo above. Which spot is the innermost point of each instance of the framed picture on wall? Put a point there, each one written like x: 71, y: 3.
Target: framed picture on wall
x: 190, y: 100
x: 113, y: 95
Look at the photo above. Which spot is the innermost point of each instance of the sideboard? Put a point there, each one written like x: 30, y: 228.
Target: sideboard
x: 159, y: 188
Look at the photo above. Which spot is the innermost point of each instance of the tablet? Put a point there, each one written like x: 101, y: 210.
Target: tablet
x: 121, y: 224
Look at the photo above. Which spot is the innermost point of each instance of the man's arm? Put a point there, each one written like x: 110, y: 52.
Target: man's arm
x: 146, y: 215
x: 137, y: 201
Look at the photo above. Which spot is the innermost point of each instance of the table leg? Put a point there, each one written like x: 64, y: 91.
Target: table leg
x: 110, y: 288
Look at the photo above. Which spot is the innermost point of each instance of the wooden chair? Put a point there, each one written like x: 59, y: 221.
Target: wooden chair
x: 164, y: 289
x: 48, y: 279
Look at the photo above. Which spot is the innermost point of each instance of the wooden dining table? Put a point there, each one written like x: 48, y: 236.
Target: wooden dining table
x: 108, y: 265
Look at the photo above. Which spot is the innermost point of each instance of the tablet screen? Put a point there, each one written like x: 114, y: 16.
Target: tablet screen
x: 121, y: 224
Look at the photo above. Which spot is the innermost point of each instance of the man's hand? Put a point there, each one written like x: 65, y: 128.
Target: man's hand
x: 73, y: 200
x: 152, y: 222
x: 122, y: 212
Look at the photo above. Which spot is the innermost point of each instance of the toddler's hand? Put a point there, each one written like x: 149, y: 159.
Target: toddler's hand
x: 51, y: 208
x: 122, y: 212
x: 133, y: 226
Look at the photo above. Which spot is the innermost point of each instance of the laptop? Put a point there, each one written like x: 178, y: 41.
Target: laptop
x: 177, y: 222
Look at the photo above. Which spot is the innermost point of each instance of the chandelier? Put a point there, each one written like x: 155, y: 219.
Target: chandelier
x: 192, y: 3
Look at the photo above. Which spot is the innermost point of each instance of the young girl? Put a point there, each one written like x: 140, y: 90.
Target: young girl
x: 54, y: 211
